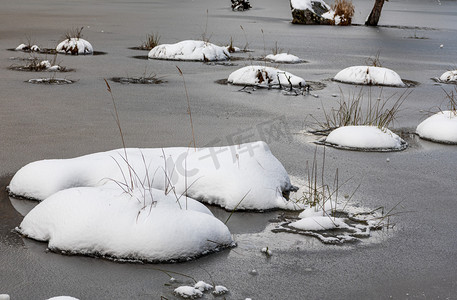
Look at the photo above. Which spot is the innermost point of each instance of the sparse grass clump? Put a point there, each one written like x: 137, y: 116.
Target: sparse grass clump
x: 276, y: 50
x: 152, y: 40
x: 75, y: 33
x: 344, y: 10
x: 230, y: 47
x: 452, y: 100
x: 354, y: 111
x: 373, y: 61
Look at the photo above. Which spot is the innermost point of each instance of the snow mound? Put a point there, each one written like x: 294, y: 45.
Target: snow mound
x: 188, y: 292
x: 49, y: 67
x: 441, y: 127
x: 449, y: 76
x: 308, y: 4
x: 75, y: 46
x: 367, y: 138
x: 370, y: 76
x: 190, y: 50
x: 24, y: 47
x: 146, y: 225
x: 264, y: 76
x: 63, y: 298
x: 245, y: 176
x: 283, y: 58
x: 203, y: 286
x: 220, y: 290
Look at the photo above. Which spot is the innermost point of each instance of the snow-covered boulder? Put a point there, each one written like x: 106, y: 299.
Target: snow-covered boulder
x: 449, y: 76
x: 311, y: 12
x: 441, y: 127
x: 145, y: 224
x: 369, y: 76
x: 190, y: 50
x: 366, y: 138
x: 264, y: 76
x: 75, y: 46
x: 245, y: 176
x: 283, y: 58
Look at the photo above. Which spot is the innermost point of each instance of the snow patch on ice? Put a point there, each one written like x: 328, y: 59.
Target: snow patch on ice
x: 190, y: 50
x: 365, y: 138
x: 264, y: 77
x: 441, y: 127
x: 220, y: 290
x: 369, y: 76
x: 188, y: 292
x: 63, y: 298
x: 203, y: 286
x: 283, y: 58
x: 449, y: 76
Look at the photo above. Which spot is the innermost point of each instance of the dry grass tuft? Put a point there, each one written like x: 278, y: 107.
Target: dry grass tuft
x: 74, y: 33
x: 151, y: 41
x: 343, y: 9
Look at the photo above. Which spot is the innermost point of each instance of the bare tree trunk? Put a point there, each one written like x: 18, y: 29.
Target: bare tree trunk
x: 375, y: 14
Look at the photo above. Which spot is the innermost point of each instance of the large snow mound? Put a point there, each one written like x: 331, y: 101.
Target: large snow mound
x: 75, y: 46
x: 190, y: 50
x: 264, y: 76
x: 308, y: 4
x: 283, y: 58
x: 449, y: 76
x: 370, y: 138
x: 441, y: 127
x: 369, y: 76
x: 146, y: 224
x: 245, y: 176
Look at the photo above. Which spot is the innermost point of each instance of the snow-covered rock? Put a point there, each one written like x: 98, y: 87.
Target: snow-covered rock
x: 188, y: 292
x: 245, y: 176
x: 220, y: 290
x: 370, y: 76
x: 449, y: 76
x: 368, y: 138
x: 441, y: 127
x: 146, y: 224
x: 283, y: 58
x: 311, y: 12
x: 75, y: 46
x: 203, y: 286
x: 190, y: 50
x: 264, y: 76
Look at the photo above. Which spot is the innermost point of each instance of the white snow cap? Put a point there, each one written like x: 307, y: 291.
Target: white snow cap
x: 365, y: 137
x: 369, y: 75
x: 146, y: 224
x: 220, y: 290
x: 283, y: 58
x: 188, y: 292
x: 307, y: 4
x: 449, y: 76
x: 63, y: 298
x: 441, y: 127
x: 4, y: 297
x: 75, y: 46
x: 245, y: 176
x: 203, y: 286
x: 190, y: 50
x: 264, y: 76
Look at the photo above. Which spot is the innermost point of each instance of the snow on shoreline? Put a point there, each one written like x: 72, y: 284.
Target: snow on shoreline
x: 104, y: 221
x: 75, y: 46
x: 190, y: 50
x: 264, y: 77
x: 441, y: 127
x: 245, y: 177
x: 369, y: 76
x: 366, y: 138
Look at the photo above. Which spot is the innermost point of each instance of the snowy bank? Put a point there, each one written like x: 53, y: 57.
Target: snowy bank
x: 449, y: 76
x: 366, y: 138
x: 190, y: 50
x: 146, y: 224
x: 283, y: 58
x: 369, y: 76
x: 245, y: 176
x: 264, y: 77
x: 75, y: 46
x: 441, y: 127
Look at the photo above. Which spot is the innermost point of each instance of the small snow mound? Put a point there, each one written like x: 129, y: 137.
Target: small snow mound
x: 367, y: 138
x: 63, y: 298
x: 441, y: 127
x: 449, y: 76
x: 220, y: 290
x: 318, y: 223
x: 21, y: 47
x: 267, y: 251
x: 283, y: 58
x: 369, y: 76
x: 308, y: 4
x: 4, y: 297
x: 203, y: 286
x: 75, y: 46
x: 190, y: 50
x: 264, y: 77
x: 188, y: 292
